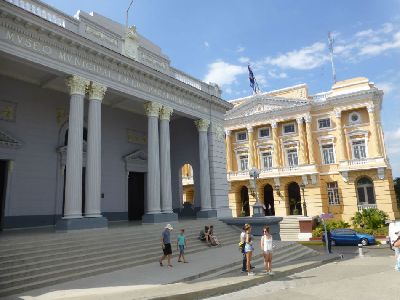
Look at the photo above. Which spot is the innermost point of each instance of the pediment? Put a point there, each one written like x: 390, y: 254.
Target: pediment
x: 261, y: 104
x: 6, y: 140
x: 136, y: 156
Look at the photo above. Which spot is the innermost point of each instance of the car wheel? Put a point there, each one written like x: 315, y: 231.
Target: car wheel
x: 364, y: 242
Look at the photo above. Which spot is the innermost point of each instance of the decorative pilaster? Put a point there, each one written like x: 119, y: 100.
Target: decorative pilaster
x: 165, y: 161
x: 251, y: 155
x: 341, y: 145
x: 93, y: 163
x: 228, y: 141
x: 275, y: 140
x: 202, y: 126
x: 302, y: 148
x: 374, y: 130
x: 152, y: 110
x: 73, y: 181
x: 310, y: 145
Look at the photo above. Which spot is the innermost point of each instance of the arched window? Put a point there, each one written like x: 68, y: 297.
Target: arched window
x: 365, y: 191
x: 84, y: 136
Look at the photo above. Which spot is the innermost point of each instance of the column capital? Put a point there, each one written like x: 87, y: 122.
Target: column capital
x: 77, y: 85
x: 202, y: 125
x: 370, y: 107
x: 274, y: 124
x: 307, y: 118
x: 152, y: 109
x: 228, y: 132
x: 249, y: 128
x: 165, y: 113
x: 337, y: 112
x: 299, y: 120
x: 97, y: 91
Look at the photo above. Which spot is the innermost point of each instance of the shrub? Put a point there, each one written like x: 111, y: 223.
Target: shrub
x: 370, y: 218
x: 330, y: 224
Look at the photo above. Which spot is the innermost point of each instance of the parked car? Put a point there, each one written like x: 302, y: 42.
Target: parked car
x: 346, y: 236
x: 393, y: 228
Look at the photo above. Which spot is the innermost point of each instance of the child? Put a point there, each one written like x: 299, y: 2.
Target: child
x: 181, y: 244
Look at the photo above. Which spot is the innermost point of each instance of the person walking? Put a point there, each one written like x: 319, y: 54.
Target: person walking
x: 248, y: 249
x: 266, y: 248
x: 166, y: 245
x: 181, y: 245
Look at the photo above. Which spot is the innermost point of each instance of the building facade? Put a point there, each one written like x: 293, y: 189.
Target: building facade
x: 96, y: 124
x: 323, y: 153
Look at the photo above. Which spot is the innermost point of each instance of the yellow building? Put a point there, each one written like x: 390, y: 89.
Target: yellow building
x: 326, y: 150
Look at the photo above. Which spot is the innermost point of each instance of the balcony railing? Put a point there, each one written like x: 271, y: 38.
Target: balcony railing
x: 198, y: 84
x: 365, y: 206
x: 187, y: 180
x: 362, y: 164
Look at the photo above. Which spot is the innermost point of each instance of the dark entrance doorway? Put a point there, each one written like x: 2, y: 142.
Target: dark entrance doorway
x: 269, y: 200
x: 83, y: 190
x: 294, y: 199
x: 135, y: 196
x: 244, y: 195
x: 3, y: 186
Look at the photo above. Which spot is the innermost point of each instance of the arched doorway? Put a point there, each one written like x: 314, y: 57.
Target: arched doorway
x: 269, y: 200
x: 365, y: 191
x: 294, y: 198
x: 187, y: 184
x: 244, y: 196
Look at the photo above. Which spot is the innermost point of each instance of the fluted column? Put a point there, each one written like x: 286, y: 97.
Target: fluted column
x: 228, y: 140
x: 202, y: 126
x: 302, y: 148
x: 93, y: 163
x: 73, y: 181
x: 311, y: 157
x: 374, y: 130
x: 165, y: 160
x: 275, y: 140
x: 153, y: 162
x: 251, y: 159
x: 341, y: 145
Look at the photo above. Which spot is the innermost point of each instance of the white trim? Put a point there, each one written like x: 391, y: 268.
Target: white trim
x: 356, y: 125
x: 289, y: 133
x: 239, y: 163
x: 287, y: 158
x: 324, y: 128
x: 322, y: 153
x: 262, y: 160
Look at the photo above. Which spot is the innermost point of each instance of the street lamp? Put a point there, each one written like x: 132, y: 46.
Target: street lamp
x: 258, y: 210
x: 302, y: 186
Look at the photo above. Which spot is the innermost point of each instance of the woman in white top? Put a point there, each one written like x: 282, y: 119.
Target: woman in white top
x: 266, y: 247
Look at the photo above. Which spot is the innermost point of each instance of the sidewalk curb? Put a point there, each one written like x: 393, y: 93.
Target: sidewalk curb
x: 229, y: 288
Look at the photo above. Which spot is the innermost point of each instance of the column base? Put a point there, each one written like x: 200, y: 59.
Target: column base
x: 159, y: 218
x: 81, y: 223
x: 206, y: 214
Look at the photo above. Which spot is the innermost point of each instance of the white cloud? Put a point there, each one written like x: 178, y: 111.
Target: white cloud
x: 223, y: 73
x: 206, y: 44
x: 304, y: 59
x: 243, y: 59
x: 387, y: 87
x: 378, y: 48
x: 392, y: 140
x: 277, y: 75
x: 240, y: 49
x: 393, y: 135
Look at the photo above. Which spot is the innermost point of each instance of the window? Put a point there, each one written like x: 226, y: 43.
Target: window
x: 267, y: 160
x: 333, y: 193
x: 354, y: 118
x: 328, y: 154
x: 289, y: 128
x: 241, y: 136
x: 243, y: 162
x: 292, y: 157
x: 365, y: 191
x: 324, y: 123
x: 263, y: 132
x: 359, y: 151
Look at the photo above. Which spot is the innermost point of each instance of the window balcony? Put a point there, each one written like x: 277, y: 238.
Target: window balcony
x: 187, y: 180
x: 365, y: 206
x: 362, y: 164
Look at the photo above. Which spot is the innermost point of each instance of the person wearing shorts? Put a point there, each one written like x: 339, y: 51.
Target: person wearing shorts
x: 166, y: 245
x: 248, y: 249
x: 266, y: 248
x: 181, y: 245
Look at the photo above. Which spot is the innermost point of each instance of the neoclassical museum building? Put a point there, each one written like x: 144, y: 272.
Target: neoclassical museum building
x: 95, y: 124
x: 325, y: 151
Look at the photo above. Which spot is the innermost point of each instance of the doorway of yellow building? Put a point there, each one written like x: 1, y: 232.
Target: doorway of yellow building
x: 244, y: 197
x: 294, y: 198
x: 269, y: 200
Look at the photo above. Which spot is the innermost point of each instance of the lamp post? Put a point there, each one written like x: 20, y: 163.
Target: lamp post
x: 302, y: 186
x: 257, y: 207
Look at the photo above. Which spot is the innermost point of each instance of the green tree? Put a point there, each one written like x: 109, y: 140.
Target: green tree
x: 370, y: 218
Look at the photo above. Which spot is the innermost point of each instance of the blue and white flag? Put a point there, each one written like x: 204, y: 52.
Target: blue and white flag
x: 253, y: 81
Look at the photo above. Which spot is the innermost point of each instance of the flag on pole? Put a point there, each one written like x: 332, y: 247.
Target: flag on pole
x: 253, y: 81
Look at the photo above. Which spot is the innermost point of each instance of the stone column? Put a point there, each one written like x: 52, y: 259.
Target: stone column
x: 302, y: 145
x: 228, y: 140
x: 251, y: 157
x: 153, y: 164
x: 340, y: 143
x: 73, y: 181
x: 275, y: 140
x: 374, y: 130
x: 310, y: 144
x: 93, y: 163
x: 165, y: 163
x: 206, y: 209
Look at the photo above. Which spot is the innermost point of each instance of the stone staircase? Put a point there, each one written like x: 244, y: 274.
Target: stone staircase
x: 290, y: 228
x: 38, y: 259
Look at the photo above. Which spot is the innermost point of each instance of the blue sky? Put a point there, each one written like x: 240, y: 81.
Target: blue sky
x: 285, y: 42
